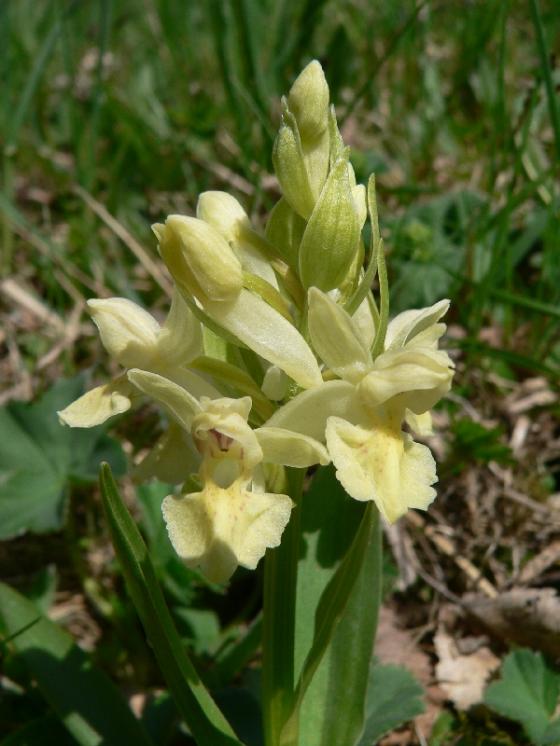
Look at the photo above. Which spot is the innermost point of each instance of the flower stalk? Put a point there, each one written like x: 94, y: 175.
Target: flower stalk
x: 277, y: 356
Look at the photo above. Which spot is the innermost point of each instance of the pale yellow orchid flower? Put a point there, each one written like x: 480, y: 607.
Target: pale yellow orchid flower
x: 362, y: 414
x: 134, y: 339
x: 208, y: 273
x: 232, y: 520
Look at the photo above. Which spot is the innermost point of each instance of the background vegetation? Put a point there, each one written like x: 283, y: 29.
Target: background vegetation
x: 115, y: 113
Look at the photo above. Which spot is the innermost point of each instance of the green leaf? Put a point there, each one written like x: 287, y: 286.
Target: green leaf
x: 429, y: 242
x: 193, y: 701
x: 528, y: 693
x: 39, y: 458
x: 394, y: 697
x: 85, y: 699
x: 333, y: 708
x: 230, y: 660
x: 242, y: 709
x: 330, y: 609
x: 45, y: 731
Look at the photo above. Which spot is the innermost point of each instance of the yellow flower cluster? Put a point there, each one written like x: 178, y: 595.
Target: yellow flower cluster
x: 274, y: 352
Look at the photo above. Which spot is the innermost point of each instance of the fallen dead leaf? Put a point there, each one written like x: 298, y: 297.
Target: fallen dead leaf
x: 462, y: 676
x: 397, y: 646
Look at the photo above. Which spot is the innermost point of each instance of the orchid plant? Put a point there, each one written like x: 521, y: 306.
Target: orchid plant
x: 276, y: 356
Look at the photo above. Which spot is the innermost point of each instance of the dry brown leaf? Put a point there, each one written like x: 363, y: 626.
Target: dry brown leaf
x: 462, y: 677
x: 397, y: 646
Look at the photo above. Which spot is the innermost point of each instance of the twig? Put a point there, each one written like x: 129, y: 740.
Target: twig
x: 447, y: 546
x: 129, y: 241
x: 22, y: 297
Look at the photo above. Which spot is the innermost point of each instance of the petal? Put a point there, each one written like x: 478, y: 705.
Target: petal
x: 171, y: 460
x: 407, y: 325
x: 229, y: 417
x: 418, y: 474
x: 96, y: 406
x: 363, y: 321
x: 254, y: 262
x: 359, y: 196
x: 281, y: 446
x: 275, y: 383
x: 223, y: 212
x: 382, y: 464
x: 226, y: 406
x: 266, y: 517
x: 217, y: 529
x: 421, y: 424
x: 269, y: 334
x: 192, y: 382
x: 420, y: 377
x: 180, y: 339
x: 179, y: 404
x: 308, y: 412
x: 350, y: 450
x: 336, y: 338
x: 127, y: 331
x: 208, y: 258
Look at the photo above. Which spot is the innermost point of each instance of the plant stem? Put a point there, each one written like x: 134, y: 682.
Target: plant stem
x: 280, y: 576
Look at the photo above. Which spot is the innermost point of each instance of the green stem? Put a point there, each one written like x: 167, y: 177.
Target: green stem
x: 280, y: 576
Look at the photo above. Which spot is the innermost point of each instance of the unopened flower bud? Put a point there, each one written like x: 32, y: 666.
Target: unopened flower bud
x: 199, y: 258
x: 224, y: 213
x: 291, y: 170
x: 332, y: 236
x: 308, y: 101
x: 128, y: 332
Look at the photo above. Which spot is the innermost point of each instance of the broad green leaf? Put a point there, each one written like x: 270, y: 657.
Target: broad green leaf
x: 429, y: 249
x: 193, y: 701
x: 85, y: 699
x: 528, y: 693
x: 330, y: 520
x: 332, y: 605
x: 394, y: 697
x: 39, y: 459
x: 43, y: 588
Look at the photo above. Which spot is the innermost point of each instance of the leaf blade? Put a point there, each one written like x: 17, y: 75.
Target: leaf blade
x: 201, y: 713
x: 85, y: 699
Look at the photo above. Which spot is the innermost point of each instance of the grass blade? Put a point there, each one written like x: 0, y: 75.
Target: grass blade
x: 547, y: 74
x: 193, y: 701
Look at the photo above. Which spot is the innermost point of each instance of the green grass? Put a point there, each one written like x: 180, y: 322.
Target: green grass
x: 146, y: 109
x: 143, y: 105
